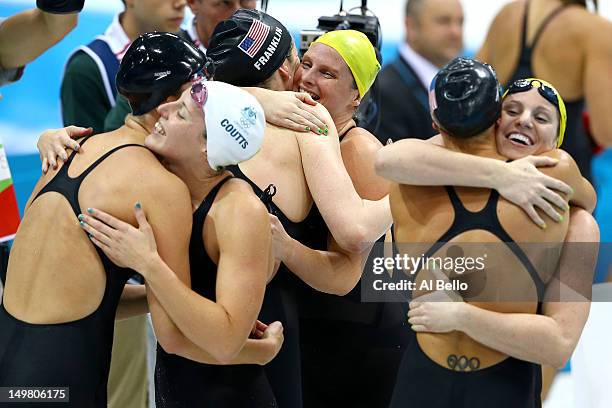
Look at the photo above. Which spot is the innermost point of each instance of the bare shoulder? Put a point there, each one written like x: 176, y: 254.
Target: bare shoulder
x: 237, y: 200
x: 437, y: 140
x: 561, y: 155
x: 597, y: 31
x: 143, y: 170
x: 359, y: 151
x: 240, y: 217
x: 363, y: 140
x: 565, y: 168
x: 508, y: 16
x: 281, y: 131
x: 319, y: 108
x: 150, y: 179
x: 511, y: 9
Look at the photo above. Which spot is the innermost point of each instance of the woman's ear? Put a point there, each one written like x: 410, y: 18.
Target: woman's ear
x: 497, y: 124
x: 284, y: 71
x: 356, y: 100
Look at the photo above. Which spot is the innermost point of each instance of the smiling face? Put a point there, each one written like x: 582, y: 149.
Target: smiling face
x: 180, y: 130
x: 529, y: 124
x: 327, y: 78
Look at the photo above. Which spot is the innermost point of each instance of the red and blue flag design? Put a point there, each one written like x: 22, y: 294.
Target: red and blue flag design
x: 254, y: 38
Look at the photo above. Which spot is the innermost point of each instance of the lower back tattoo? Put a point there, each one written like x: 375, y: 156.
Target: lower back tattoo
x: 462, y: 363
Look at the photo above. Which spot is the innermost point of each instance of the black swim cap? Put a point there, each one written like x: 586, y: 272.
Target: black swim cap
x: 154, y: 67
x: 465, y: 97
x: 248, y: 48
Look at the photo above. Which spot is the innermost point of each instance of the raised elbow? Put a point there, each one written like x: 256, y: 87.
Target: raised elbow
x: 559, y: 362
x: 353, y: 240
x: 343, y: 288
x: 562, y: 354
x: 380, y: 164
x: 340, y: 290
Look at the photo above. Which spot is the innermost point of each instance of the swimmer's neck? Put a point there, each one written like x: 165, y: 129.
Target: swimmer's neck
x: 196, y: 174
x: 342, y: 120
x: 482, y: 145
x: 343, y: 127
x: 142, y: 124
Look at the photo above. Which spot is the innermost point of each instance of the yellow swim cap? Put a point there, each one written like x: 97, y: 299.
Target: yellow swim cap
x: 358, y: 53
x: 548, y: 92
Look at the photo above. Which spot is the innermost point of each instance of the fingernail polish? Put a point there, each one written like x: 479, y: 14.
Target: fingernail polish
x: 307, y: 128
x: 76, y: 148
x: 543, y: 226
x: 81, y: 217
x: 561, y: 218
x: 90, y: 236
x: 319, y: 131
x: 138, y: 206
x: 90, y: 210
x: 82, y: 223
x: 326, y: 131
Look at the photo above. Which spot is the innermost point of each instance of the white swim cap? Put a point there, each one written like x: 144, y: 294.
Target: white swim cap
x: 235, y: 123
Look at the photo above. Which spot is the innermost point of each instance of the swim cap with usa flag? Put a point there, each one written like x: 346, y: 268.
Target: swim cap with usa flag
x: 235, y: 122
x: 248, y: 47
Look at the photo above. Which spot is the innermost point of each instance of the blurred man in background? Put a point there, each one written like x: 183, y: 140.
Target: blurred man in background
x: 434, y: 36
x: 206, y: 15
x: 88, y: 87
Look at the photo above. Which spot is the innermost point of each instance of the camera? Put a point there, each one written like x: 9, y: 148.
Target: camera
x: 366, y: 23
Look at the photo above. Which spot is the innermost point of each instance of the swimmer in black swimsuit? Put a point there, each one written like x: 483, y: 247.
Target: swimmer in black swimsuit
x: 516, y: 181
x: 230, y: 248
x: 496, y: 346
x: 303, y: 169
x: 578, y: 144
x: 360, y: 338
x: 524, y: 41
x: 62, y: 294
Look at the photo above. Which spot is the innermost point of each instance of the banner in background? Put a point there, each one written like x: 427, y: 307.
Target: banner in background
x: 9, y: 212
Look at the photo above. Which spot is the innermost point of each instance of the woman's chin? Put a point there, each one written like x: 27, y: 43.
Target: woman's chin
x: 151, y: 143
x: 515, y: 151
